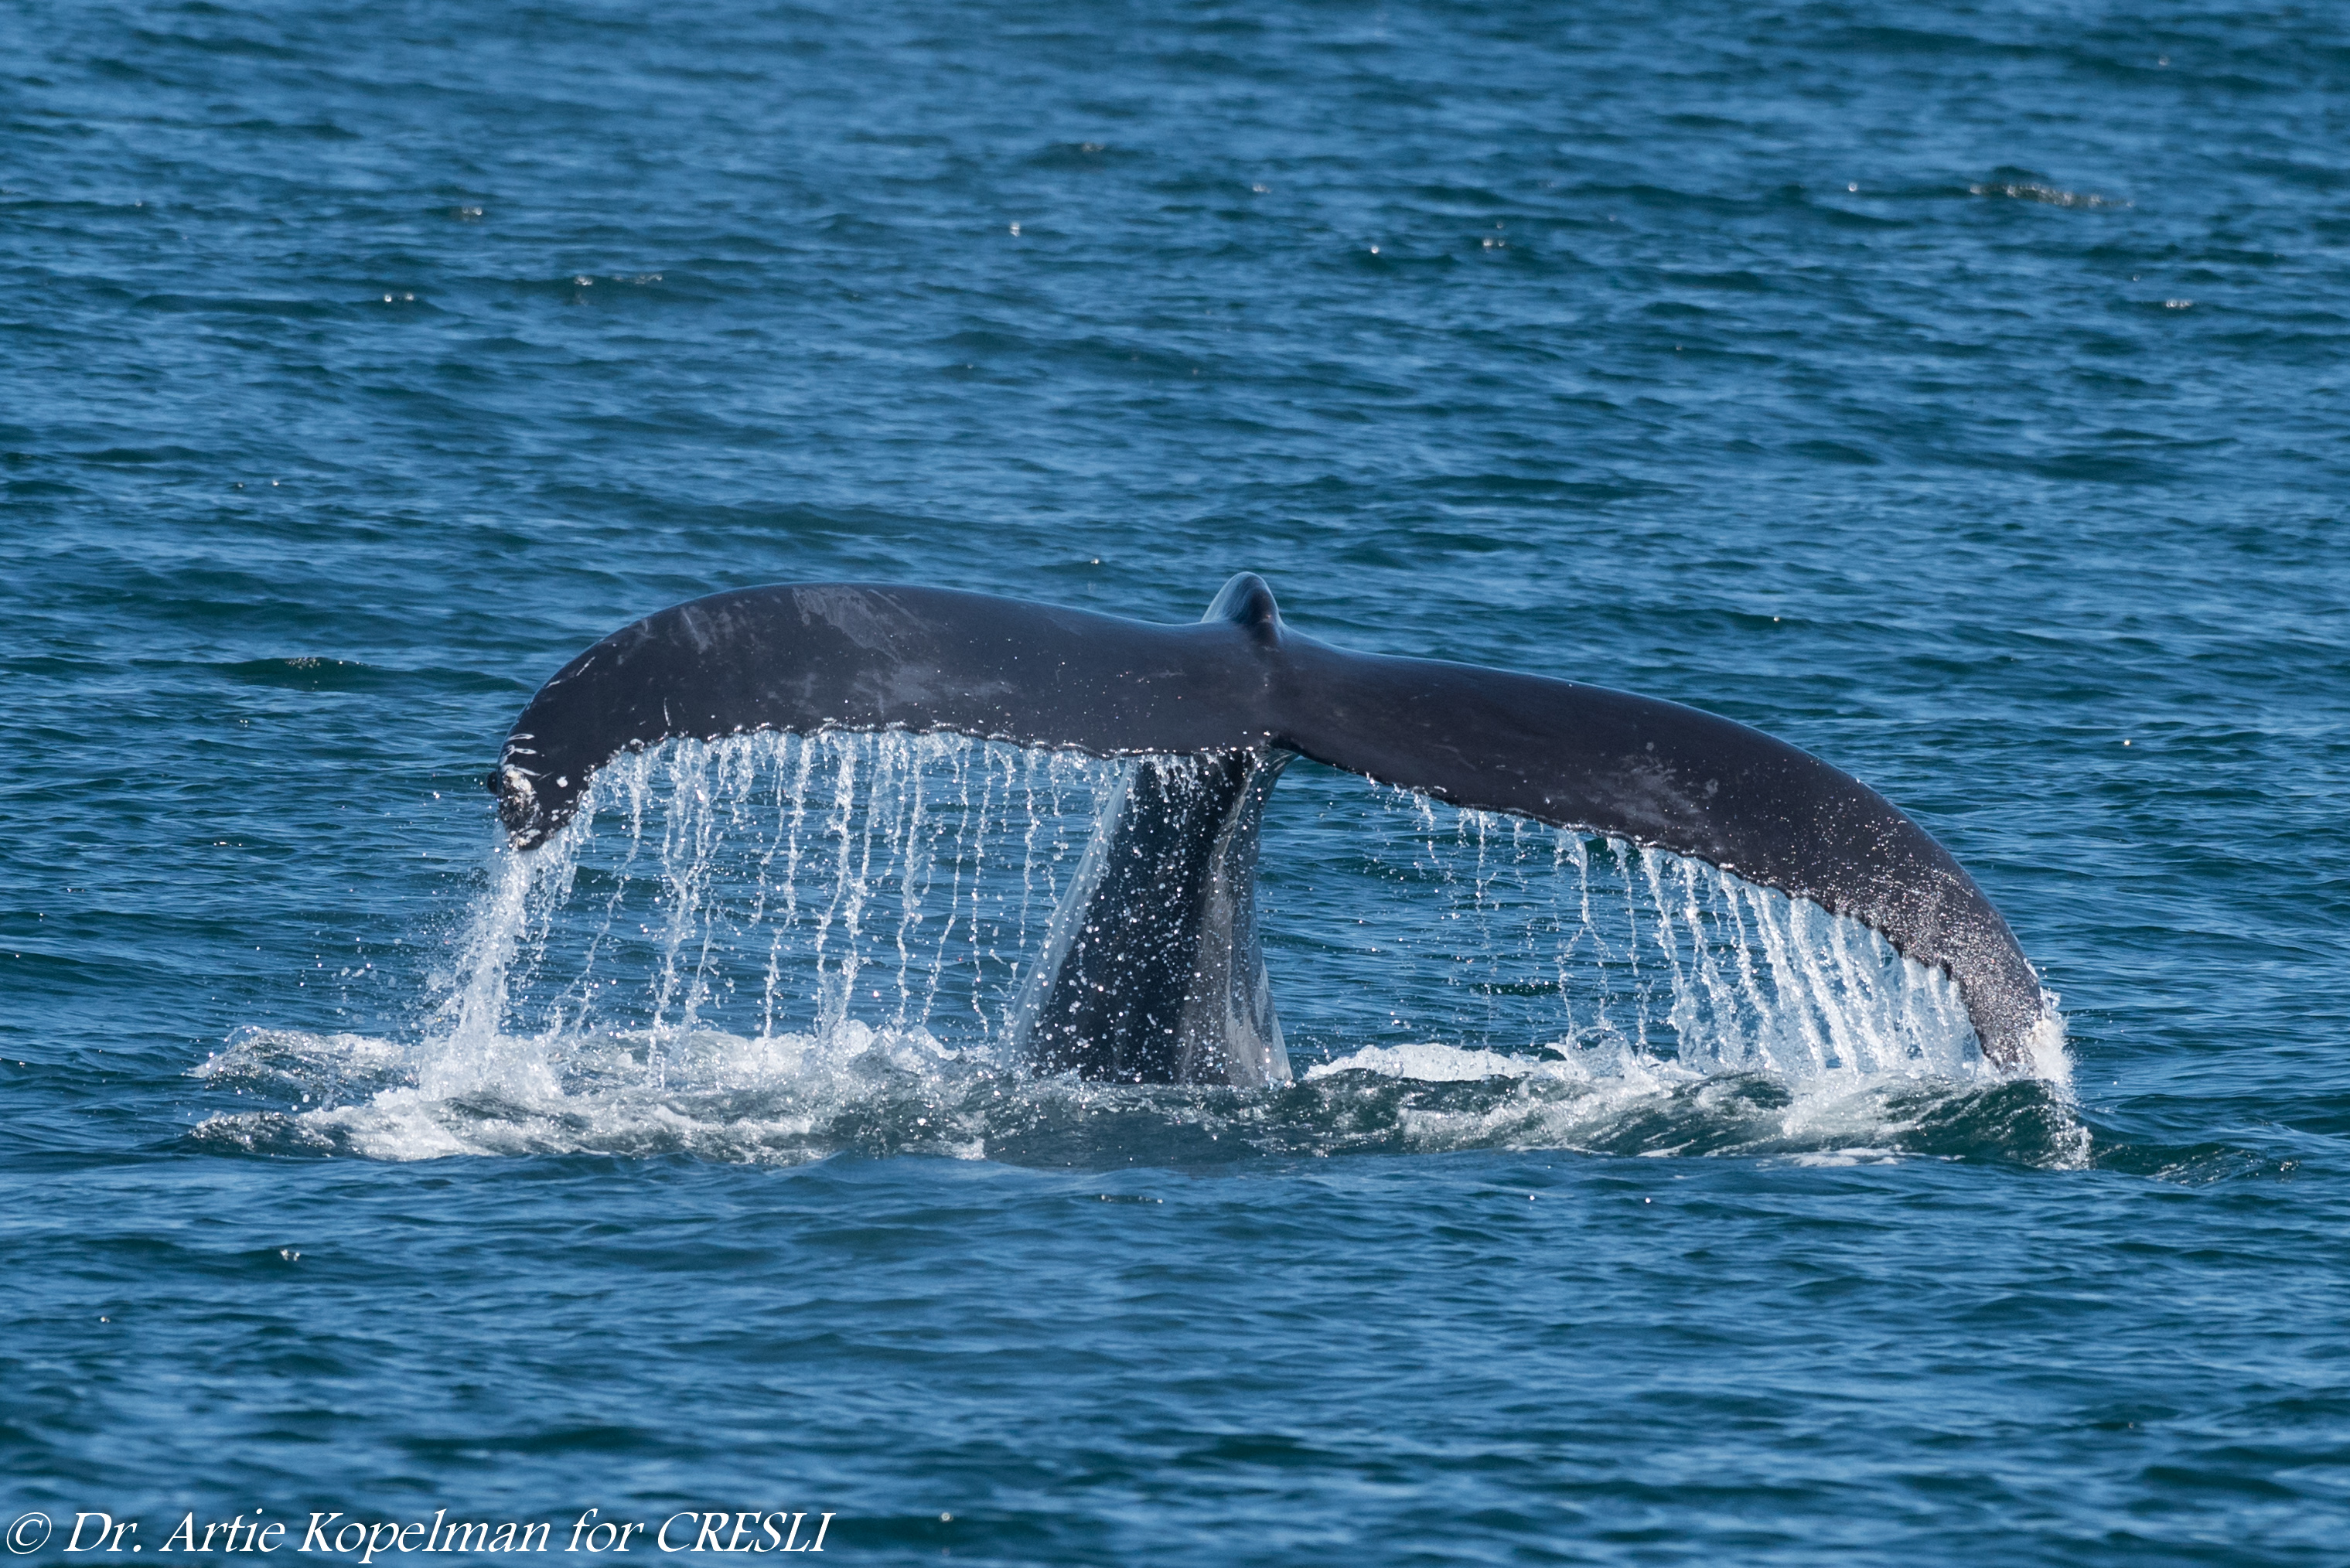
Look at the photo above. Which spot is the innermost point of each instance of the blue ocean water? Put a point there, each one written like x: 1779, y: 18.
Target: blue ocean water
x: 1955, y: 390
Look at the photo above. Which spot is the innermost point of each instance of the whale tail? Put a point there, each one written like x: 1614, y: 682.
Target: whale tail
x: 1153, y: 971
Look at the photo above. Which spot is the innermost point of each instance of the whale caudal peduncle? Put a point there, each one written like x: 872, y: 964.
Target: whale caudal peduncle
x: 1154, y: 972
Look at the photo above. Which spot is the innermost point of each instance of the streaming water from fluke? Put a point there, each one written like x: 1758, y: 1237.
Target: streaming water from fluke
x: 782, y: 947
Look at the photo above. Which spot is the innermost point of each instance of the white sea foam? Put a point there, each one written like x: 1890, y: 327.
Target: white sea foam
x: 1429, y: 1063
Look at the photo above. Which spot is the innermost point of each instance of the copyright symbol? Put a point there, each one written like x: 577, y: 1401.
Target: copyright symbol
x: 29, y: 1534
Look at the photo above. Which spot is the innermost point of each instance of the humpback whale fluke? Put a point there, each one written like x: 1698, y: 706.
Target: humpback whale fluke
x: 1154, y: 972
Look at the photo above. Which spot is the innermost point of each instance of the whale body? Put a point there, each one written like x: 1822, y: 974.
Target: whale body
x: 1152, y: 971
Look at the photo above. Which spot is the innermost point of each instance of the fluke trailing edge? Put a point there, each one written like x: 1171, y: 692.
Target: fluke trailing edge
x: 1153, y: 973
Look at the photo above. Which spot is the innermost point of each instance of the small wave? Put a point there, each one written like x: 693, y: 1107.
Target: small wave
x: 784, y: 1100
x: 306, y: 673
x: 1430, y: 1063
x: 2047, y: 195
x: 328, y: 1067
x: 1605, y: 1096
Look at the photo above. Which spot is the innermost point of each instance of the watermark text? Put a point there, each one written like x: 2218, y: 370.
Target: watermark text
x: 721, y: 1532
